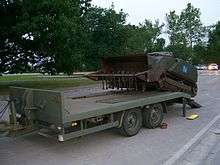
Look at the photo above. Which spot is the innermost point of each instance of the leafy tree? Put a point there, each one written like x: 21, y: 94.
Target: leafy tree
x: 159, y: 44
x: 47, y: 33
x: 179, y: 51
x: 191, y: 25
x: 213, y: 52
x: 174, y: 29
x: 136, y: 39
x: 144, y: 38
x: 12, y: 56
x: 154, y: 31
x: 199, y: 54
x: 55, y: 27
x: 106, y: 33
x: 185, y: 31
x: 64, y: 36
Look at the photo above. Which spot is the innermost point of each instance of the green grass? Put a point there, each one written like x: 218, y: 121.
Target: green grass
x: 41, y: 82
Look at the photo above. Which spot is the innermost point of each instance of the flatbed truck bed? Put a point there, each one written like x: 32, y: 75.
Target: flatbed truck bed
x: 69, y: 117
x: 81, y: 108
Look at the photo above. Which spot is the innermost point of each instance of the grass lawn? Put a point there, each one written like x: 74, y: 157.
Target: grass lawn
x: 42, y: 82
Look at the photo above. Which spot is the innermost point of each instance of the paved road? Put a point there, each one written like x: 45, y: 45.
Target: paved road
x: 110, y: 148
x: 206, y: 150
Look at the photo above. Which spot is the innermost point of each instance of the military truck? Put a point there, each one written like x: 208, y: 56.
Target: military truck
x: 131, y: 99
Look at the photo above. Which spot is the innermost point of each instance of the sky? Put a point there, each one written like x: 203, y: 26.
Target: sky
x: 139, y: 10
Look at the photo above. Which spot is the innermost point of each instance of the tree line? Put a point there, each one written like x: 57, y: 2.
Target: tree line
x: 54, y: 36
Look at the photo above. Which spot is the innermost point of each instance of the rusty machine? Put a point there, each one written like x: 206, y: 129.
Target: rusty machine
x: 143, y: 72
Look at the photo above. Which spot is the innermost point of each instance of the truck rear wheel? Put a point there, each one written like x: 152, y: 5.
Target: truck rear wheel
x: 153, y: 116
x: 131, y: 123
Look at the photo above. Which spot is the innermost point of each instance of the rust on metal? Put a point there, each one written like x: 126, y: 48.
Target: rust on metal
x: 143, y: 72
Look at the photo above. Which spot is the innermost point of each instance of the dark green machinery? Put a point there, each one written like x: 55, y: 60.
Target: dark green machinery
x: 147, y: 71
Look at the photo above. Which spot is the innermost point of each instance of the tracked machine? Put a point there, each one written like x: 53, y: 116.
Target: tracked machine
x: 143, y: 72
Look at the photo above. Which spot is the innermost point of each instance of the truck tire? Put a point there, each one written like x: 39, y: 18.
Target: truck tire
x: 153, y: 116
x: 131, y: 123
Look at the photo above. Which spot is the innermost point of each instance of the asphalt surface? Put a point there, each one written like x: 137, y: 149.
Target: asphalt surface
x: 150, y: 146
x: 206, y: 150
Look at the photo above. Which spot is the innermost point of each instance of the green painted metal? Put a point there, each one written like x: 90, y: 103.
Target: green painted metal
x: 121, y: 106
x: 53, y: 109
x: 44, y: 105
x: 64, y: 137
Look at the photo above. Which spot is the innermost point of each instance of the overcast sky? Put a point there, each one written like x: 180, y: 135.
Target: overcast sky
x: 139, y: 10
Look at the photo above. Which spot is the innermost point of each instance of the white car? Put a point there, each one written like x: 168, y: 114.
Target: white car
x: 201, y: 67
x: 213, y: 67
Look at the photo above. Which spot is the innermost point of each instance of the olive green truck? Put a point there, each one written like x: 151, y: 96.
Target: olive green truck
x: 137, y: 91
x: 67, y: 117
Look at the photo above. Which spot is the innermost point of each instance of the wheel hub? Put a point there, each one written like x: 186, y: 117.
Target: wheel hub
x: 132, y: 120
x: 155, y: 115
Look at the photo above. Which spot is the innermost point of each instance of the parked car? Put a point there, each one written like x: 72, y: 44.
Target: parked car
x: 213, y: 66
x: 201, y: 67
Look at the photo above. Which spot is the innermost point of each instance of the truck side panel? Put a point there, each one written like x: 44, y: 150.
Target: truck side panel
x: 46, y: 105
